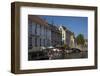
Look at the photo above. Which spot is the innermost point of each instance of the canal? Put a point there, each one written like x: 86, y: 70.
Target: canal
x: 76, y: 55
x: 53, y: 55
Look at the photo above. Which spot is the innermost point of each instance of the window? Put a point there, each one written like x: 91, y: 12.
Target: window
x: 44, y: 42
x: 40, y: 42
x: 33, y: 28
x: 36, y: 29
x: 35, y: 41
x: 40, y: 30
x: 62, y: 35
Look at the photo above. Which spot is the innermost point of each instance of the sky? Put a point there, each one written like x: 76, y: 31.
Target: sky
x: 78, y: 25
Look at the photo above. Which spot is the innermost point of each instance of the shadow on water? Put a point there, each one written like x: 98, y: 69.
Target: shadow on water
x: 71, y: 56
x: 59, y: 55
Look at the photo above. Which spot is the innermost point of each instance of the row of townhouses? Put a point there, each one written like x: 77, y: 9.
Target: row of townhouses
x: 43, y: 34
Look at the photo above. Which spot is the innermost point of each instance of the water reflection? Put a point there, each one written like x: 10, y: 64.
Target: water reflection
x: 62, y: 55
x: 52, y: 55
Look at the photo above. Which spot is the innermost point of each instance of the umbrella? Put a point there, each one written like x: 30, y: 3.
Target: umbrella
x: 43, y: 48
x: 50, y: 47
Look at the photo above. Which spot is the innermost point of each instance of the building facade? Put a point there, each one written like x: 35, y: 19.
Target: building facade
x: 55, y: 36
x: 39, y: 33
x: 86, y: 45
x: 68, y: 37
x: 44, y: 34
x: 73, y: 43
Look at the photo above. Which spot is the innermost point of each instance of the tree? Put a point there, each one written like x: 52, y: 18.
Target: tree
x: 80, y: 39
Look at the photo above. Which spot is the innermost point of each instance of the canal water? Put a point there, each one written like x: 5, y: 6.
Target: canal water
x: 57, y: 55
x: 70, y: 56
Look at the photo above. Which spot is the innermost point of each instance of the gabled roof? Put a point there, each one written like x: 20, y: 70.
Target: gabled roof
x: 67, y: 30
x: 54, y: 28
x: 64, y: 27
x: 36, y: 19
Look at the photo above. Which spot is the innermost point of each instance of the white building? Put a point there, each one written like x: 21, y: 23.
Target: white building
x: 68, y: 37
x: 39, y: 33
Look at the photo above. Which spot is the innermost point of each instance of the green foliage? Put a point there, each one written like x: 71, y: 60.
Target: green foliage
x: 80, y: 39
